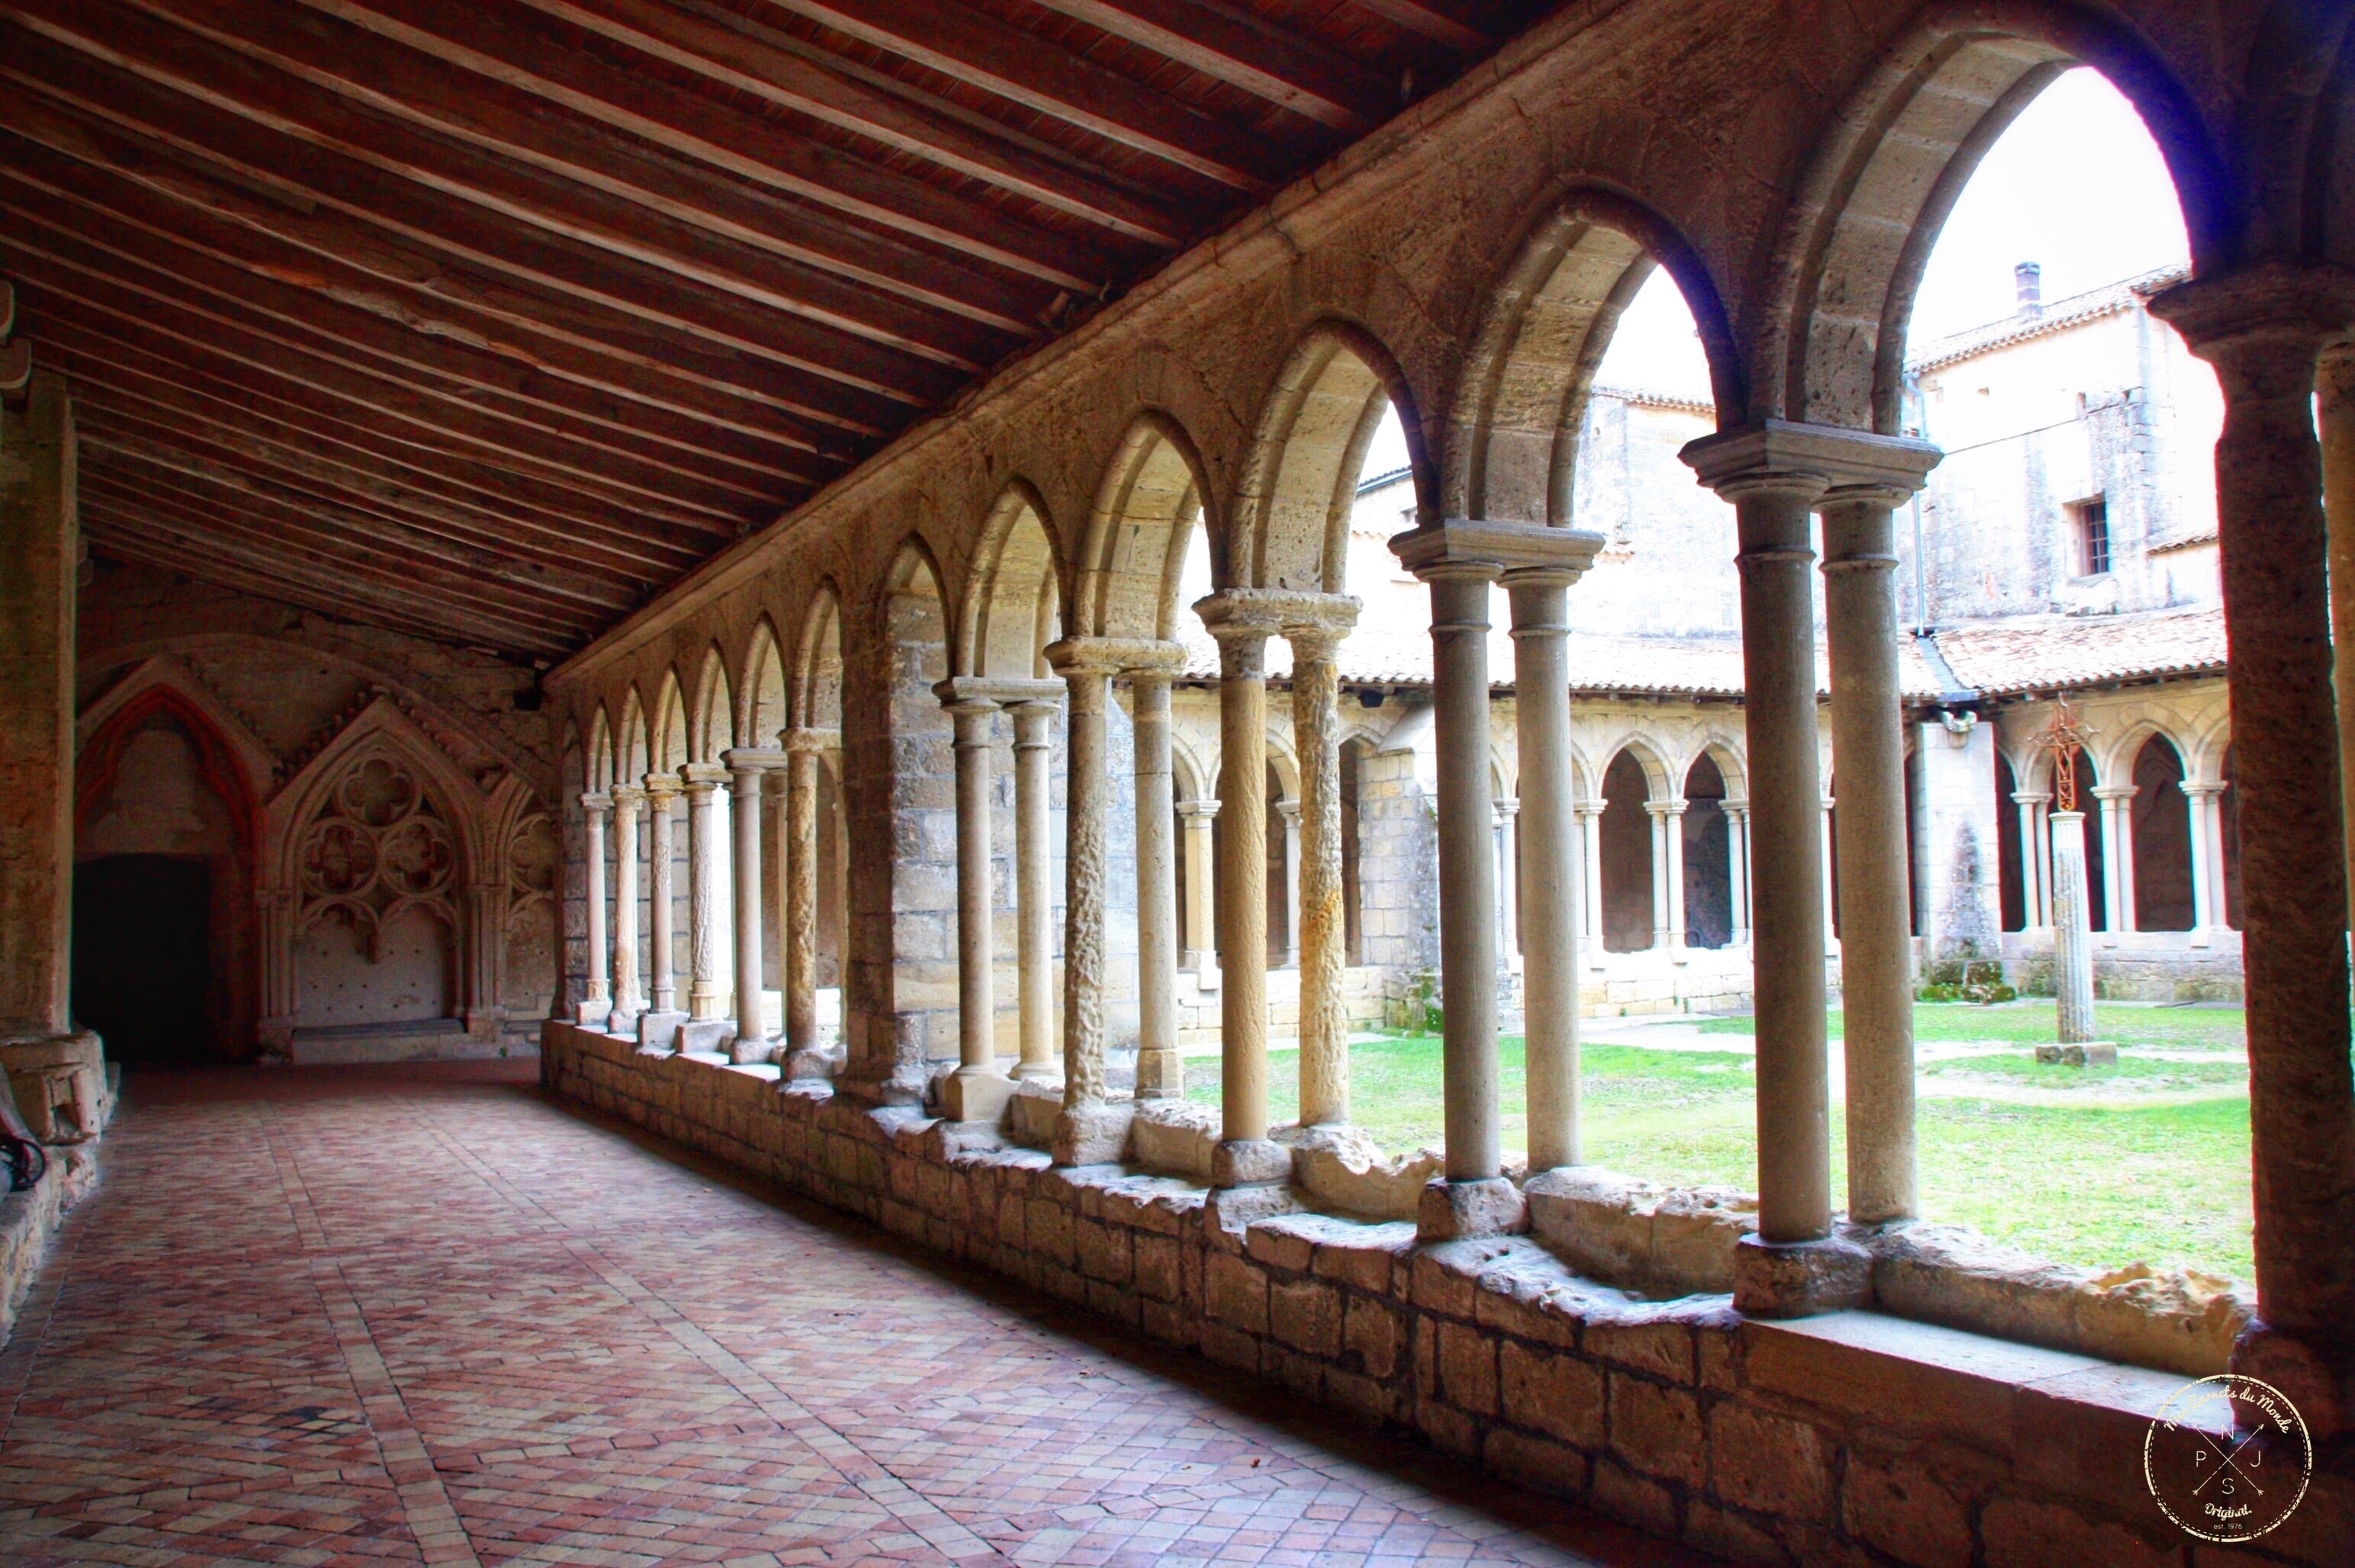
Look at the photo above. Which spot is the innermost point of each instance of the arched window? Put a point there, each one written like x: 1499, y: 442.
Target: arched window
x: 1626, y: 868
x: 1709, y: 871
x: 2162, y: 839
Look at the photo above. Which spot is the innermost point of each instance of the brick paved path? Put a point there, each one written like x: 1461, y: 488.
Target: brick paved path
x: 392, y: 1316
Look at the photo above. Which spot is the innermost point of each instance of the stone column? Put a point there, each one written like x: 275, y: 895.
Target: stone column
x: 1774, y: 473
x: 2334, y: 390
x: 2032, y: 892
x: 2263, y: 327
x: 1589, y: 822
x: 1288, y: 813
x: 1552, y: 904
x: 2117, y: 860
x: 596, y: 806
x: 1200, y: 817
x: 1868, y: 754
x: 2072, y: 934
x: 2207, y: 898
x: 1508, y: 875
x: 1320, y: 936
x: 797, y: 946
x: 976, y: 1090
x: 1825, y: 840
x: 746, y: 768
x: 706, y: 989
x: 662, y: 903
x: 1159, y: 1074
x: 1241, y: 620
x: 2044, y: 856
x: 1658, y: 844
x: 1668, y: 822
x: 1737, y: 867
x: 1034, y: 745
x: 629, y: 999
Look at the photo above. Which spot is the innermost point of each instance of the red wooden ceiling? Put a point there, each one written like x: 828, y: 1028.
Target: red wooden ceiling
x: 485, y: 319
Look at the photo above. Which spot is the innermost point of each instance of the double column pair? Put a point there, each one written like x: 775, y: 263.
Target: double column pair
x: 749, y: 768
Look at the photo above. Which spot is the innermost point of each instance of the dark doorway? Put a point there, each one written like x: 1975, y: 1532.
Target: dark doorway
x: 142, y: 957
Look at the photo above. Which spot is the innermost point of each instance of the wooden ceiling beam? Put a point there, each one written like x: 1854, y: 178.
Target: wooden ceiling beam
x: 576, y: 569
x: 1250, y: 52
x: 738, y: 53
x: 468, y: 36
x: 665, y: 537
x: 620, y: 356
x: 1465, y: 26
x: 307, y: 140
x: 1023, y: 68
x: 68, y: 298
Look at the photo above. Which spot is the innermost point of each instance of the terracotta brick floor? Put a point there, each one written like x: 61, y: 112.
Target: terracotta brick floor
x: 398, y: 1315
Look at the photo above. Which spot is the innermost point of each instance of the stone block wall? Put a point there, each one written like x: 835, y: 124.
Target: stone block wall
x: 1855, y: 1438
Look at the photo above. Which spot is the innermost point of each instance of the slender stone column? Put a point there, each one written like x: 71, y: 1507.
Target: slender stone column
x: 1034, y: 745
x: 707, y: 990
x: 2117, y: 860
x: 1200, y: 817
x: 2044, y: 855
x: 746, y: 768
x: 629, y: 999
x: 976, y: 1090
x: 2032, y: 858
x: 2334, y: 391
x: 2073, y: 934
x: 1320, y: 935
x: 1159, y: 1074
x: 2200, y: 803
x: 1552, y: 902
x: 1825, y: 841
x: 1669, y: 823
x: 1869, y: 752
x: 1508, y: 877
x: 597, y: 807
x: 1589, y: 822
x: 1773, y: 476
x: 1736, y: 866
x: 1242, y: 625
x: 1659, y: 845
x: 662, y: 890
x: 803, y: 750
x: 1288, y: 812
x: 2262, y: 328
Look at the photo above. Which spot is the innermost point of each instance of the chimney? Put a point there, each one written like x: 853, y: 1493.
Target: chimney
x: 2028, y: 290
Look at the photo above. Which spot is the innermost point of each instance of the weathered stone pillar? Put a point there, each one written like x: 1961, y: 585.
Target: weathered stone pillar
x: 1737, y: 869
x: 1200, y: 817
x: 1878, y: 473
x: 746, y: 769
x: 629, y: 998
x: 1774, y: 473
x: 1589, y: 822
x: 596, y: 806
x: 1552, y: 903
x: 2207, y: 898
x: 2334, y: 393
x: 1034, y: 745
x: 2117, y: 860
x: 1320, y: 920
x: 804, y: 749
x: 1668, y: 834
x: 1242, y: 620
x: 40, y: 552
x: 1508, y: 877
x: 1089, y: 1131
x: 2044, y: 855
x: 662, y: 896
x: 1160, y: 1074
x: 706, y: 944
x: 976, y: 1090
x: 2263, y: 327
x: 2034, y: 878
x: 1288, y: 813
x: 2073, y: 929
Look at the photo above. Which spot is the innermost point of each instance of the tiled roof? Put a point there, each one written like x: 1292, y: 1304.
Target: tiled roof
x: 2077, y: 309
x: 2047, y: 653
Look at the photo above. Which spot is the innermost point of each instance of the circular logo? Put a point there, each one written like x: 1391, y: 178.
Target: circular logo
x: 2227, y: 1457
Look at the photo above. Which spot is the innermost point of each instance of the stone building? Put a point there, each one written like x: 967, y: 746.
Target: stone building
x: 641, y: 515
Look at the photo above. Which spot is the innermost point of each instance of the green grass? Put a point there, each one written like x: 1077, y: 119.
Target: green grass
x: 2100, y: 1184
x: 2034, y: 1023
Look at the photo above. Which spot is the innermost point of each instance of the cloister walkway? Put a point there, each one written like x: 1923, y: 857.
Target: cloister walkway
x: 424, y: 1314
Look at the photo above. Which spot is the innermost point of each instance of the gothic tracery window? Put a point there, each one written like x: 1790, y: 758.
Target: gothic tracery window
x: 378, y: 849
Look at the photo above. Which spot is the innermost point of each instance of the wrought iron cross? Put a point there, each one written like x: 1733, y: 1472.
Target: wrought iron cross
x: 2064, y: 737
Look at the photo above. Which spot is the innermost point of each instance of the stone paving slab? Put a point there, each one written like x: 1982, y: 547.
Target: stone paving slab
x: 422, y: 1315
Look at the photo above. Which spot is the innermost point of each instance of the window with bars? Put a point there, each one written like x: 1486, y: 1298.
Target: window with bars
x: 2091, y: 519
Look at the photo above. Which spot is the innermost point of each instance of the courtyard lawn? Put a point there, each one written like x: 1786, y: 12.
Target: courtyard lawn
x: 2145, y: 1161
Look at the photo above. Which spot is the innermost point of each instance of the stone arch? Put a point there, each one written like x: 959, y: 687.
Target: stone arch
x: 1709, y: 850
x: 666, y: 737
x: 2163, y: 845
x: 598, y: 759
x: 1194, y: 776
x: 2203, y: 752
x: 1628, y: 876
x: 1879, y: 188
x: 1013, y: 600
x: 2299, y: 151
x: 632, y: 754
x: 1513, y: 435
x: 760, y: 688
x: 1153, y: 496
x: 2117, y: 758
x: 816, y: 684
x: 1290, y: 524
x: 714, y: 727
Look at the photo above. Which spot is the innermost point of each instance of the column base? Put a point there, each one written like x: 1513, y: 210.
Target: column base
x: 622, y: 1022
x: 1040, y: 1071
x: 705, y: 1035
x: 595, y: 1012
x: 975, y: 1094
x: 1250, y: 1162
x: 1159, y: 1075
x: 815, y: 1064
x: 1092, y: 1134
x: 2304, y: 1373
x: 751, y: 1053
x: 59, y: 1085
x: 1454, y: 1210
x: 1799, y: 1279
x: 658, y: 1030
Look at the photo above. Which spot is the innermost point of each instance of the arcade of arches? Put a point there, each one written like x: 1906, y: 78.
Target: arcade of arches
x: 895, y: 850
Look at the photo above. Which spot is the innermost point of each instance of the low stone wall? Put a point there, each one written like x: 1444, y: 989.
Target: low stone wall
x: 1851, y: 1438
x: 2139, y: 967
x: 29, y: 1220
